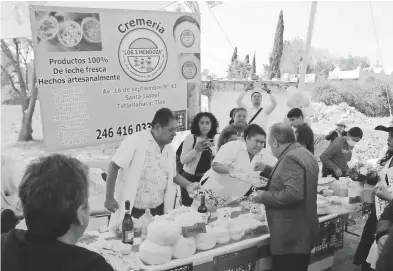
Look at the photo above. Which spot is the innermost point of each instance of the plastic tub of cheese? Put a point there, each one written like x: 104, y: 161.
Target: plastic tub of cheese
x: 48, y: 28
x: 91, y: 28
x: 70, y: 34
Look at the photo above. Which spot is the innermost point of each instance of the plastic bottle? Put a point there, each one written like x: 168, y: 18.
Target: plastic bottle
x: 146, y: 218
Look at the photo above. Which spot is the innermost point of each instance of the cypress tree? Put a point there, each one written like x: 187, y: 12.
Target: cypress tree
x: 276, y: 54
x: 254, y: 66
x: 234, y: 55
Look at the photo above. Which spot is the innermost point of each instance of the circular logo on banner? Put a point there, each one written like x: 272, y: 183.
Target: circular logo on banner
x: 187, y: 38
x: 189, y: 70
x: 143, y: 55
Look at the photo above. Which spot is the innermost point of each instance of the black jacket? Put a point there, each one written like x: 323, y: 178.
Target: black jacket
x: 21, y: 253
x: 385, y: 226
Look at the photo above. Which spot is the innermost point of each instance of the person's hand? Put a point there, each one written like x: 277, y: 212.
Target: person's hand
x: 111, y: 204
x: 382, y: 192
x: 259, y: 166
x: 249, y: 87
x: 256, y: 196
x: 267, y: 89
x: 193, y: 189
x: 338, y: 172
x: 381, y: 242
x: 211, y: 143
x: 201, y: 145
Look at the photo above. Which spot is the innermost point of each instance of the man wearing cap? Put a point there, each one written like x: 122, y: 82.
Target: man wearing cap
x: 338, y: 132
x: 257, y: 114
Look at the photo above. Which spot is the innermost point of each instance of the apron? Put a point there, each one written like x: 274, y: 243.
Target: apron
x: 128, y: 181
x: 386, y: 171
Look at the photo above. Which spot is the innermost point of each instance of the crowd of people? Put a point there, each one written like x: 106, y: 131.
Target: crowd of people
x: 54, y: 189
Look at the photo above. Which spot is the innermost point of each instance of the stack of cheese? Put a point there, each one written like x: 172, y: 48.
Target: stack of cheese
x: 165, y: 239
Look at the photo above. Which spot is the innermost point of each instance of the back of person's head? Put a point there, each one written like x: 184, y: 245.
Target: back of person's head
x: 53, y: 190
x: 195, y: 125
x: 282, y: 133
x: 225, y: 136
x: 295, y: 113
x: 162, y: 117
x: 229, y: 133
x: 253, y: 130
x: 355, y: 132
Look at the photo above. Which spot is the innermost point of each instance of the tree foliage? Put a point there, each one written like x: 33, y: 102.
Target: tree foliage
x: 253, y: 66
x: 276, y: 54
x: 321, y: 61
x: 239, y: 69
x: 234, y: 55
x: 16, y: 55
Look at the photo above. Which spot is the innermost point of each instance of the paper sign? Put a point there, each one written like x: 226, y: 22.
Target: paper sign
x: 194, y: 230
x: 102, y: 73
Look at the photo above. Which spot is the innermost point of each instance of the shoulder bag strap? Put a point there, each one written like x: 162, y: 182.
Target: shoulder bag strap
x: 256, y: 115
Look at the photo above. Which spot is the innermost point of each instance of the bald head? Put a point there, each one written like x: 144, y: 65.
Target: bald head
x: 282, y: 133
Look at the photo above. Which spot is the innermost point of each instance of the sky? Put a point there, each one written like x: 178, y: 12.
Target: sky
x: 341, y: 27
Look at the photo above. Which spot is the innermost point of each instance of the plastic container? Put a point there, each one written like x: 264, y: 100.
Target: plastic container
x: 146, y: 219
x: 340, y: 188
x: 368, y: 193
x: 355, y: 192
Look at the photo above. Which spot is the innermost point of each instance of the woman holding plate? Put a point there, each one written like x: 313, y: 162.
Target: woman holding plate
x: 383, y: 195
x: 237, y: 168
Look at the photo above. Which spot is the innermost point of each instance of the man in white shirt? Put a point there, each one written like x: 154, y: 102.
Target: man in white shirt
x: 256, y: 100
x: 148, y: 167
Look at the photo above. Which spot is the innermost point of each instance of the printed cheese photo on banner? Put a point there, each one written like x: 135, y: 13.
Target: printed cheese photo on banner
x: 68, y: 31
x: 189, y: 64
x: 186, y: 31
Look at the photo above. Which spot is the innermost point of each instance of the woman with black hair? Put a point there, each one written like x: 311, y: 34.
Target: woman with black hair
x: 384, y: 195
x: 198, y: 150
x: 239, y: 125
x: 234, y: 169
x: 231, y: 115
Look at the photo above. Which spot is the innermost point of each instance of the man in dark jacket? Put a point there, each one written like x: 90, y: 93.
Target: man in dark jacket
x: 384, y: 239
x: 54, y: 193
x: 304, y: 133
x: 291, y: 201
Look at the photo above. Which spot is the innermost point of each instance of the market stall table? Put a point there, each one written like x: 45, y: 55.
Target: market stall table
x: 250, y: 253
